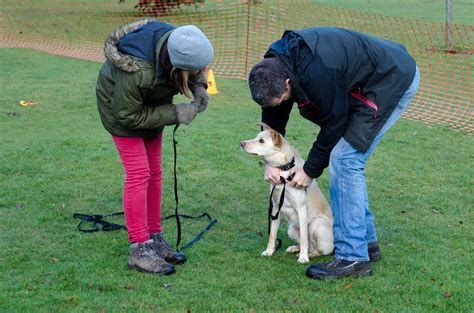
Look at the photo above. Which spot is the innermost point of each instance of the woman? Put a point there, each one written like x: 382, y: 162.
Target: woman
x: 148, y: 62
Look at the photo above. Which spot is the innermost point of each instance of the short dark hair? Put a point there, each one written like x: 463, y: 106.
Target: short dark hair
x: 267, y: 80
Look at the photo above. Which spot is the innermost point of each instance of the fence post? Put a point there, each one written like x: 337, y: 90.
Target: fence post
x: 247, y: 43
x: 449, y: 19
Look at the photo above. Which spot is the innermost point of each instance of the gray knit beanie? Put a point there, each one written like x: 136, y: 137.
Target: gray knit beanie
x: 189, y: 48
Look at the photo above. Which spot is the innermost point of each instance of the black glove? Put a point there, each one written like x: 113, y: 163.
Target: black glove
x: 186, y: 112
x: 201, y: 98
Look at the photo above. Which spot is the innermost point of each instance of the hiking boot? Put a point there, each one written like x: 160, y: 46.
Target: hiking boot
x: 144, y: 258
x: 374, y: 251
x: 338, y: 268
x: 163, y: 248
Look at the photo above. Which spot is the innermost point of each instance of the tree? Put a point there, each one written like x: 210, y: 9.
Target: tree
x: 163, y: 7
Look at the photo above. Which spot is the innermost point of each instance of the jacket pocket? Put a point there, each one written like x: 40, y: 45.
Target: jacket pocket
x: 356, y: 93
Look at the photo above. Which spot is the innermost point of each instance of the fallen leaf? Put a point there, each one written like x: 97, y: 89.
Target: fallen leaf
x: 130, y: 287
x: 55, y: 259
x: 349, y: 285
x: 447, y: 294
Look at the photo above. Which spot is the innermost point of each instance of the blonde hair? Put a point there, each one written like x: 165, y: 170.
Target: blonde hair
x: 180, y: 77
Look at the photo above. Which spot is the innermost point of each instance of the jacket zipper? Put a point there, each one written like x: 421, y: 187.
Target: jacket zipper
x: 360, y: 97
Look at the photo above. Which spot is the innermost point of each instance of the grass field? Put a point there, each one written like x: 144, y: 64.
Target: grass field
x: 56, y: 159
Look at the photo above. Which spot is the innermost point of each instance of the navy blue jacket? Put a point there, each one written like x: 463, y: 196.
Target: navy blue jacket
x: 346, y: 82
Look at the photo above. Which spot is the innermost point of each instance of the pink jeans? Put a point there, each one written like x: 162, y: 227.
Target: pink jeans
x: 141, y: 159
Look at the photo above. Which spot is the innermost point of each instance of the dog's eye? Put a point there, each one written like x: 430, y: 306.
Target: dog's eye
x: 261, y: 140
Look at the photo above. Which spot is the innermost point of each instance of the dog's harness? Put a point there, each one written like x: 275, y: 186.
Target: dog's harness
x: 272, y: 217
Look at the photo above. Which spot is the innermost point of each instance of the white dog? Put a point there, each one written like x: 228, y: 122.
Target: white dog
x: 308, y: 212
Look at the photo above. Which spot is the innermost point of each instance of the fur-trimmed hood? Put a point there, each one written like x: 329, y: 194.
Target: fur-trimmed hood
x: 111, y: 52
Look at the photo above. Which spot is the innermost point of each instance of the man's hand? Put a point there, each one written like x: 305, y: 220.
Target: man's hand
x: 186, y: 112
x: 201, y: 98
x: 300, y: 180
x: 272, y: 174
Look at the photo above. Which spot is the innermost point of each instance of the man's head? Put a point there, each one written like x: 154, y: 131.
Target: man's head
x: 269, y: 82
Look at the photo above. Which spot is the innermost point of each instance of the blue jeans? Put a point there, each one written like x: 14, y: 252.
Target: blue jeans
x: 354, y: 225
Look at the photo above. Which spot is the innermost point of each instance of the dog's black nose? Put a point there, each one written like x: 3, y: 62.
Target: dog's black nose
x: 242, y: 144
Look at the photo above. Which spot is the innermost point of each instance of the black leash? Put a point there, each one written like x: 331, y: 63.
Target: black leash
x: 98, y: 219
x: 272, y: 217
x: 199, y: 236
x: 178, y: 221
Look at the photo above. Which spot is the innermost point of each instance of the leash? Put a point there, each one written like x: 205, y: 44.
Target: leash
x: 176, y: 214
x: 199, y: 236
x: 98, y: 219
x: 270, y: 210
x: 176, y: 199
x: 272, y: 217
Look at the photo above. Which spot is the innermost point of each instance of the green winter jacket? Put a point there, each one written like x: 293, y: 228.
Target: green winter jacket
x: 132, y: 100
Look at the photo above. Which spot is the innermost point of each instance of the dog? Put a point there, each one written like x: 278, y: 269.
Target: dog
x: 308, y: 212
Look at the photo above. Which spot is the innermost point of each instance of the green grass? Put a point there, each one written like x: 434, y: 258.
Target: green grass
x: 56, y: 159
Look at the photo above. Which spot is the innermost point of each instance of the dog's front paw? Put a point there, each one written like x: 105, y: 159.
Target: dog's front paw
x: 303, y: 259
x: 268, y: 252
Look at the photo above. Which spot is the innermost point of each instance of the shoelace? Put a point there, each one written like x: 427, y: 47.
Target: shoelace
x: 162, y: 244
x: 147, y: 250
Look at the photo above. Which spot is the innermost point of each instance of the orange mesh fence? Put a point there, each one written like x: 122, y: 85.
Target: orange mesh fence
x: 242, y: 30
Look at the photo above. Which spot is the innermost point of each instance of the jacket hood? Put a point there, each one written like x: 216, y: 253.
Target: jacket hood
x: 111, y: 52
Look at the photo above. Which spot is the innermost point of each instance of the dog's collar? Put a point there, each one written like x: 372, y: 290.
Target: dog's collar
x: 288, y: 166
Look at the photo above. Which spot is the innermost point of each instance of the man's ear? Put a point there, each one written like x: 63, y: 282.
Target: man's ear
x: 276, y: 137
x: 264, y: 126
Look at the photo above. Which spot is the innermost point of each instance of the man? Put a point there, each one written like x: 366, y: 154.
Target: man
x: 354, y: 86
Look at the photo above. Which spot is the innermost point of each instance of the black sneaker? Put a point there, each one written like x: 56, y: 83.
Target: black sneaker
x: 374, y: 251
x: 144, y: 259
x: 163, y: 248
x: 338, y: 268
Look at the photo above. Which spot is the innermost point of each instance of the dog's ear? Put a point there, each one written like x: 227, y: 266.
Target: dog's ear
x: 264, y: 126
x: 276, y: 137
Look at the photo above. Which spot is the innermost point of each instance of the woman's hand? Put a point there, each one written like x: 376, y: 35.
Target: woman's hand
x: 201, y: 98
x: 186, y: 112
x: 272, y: 174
